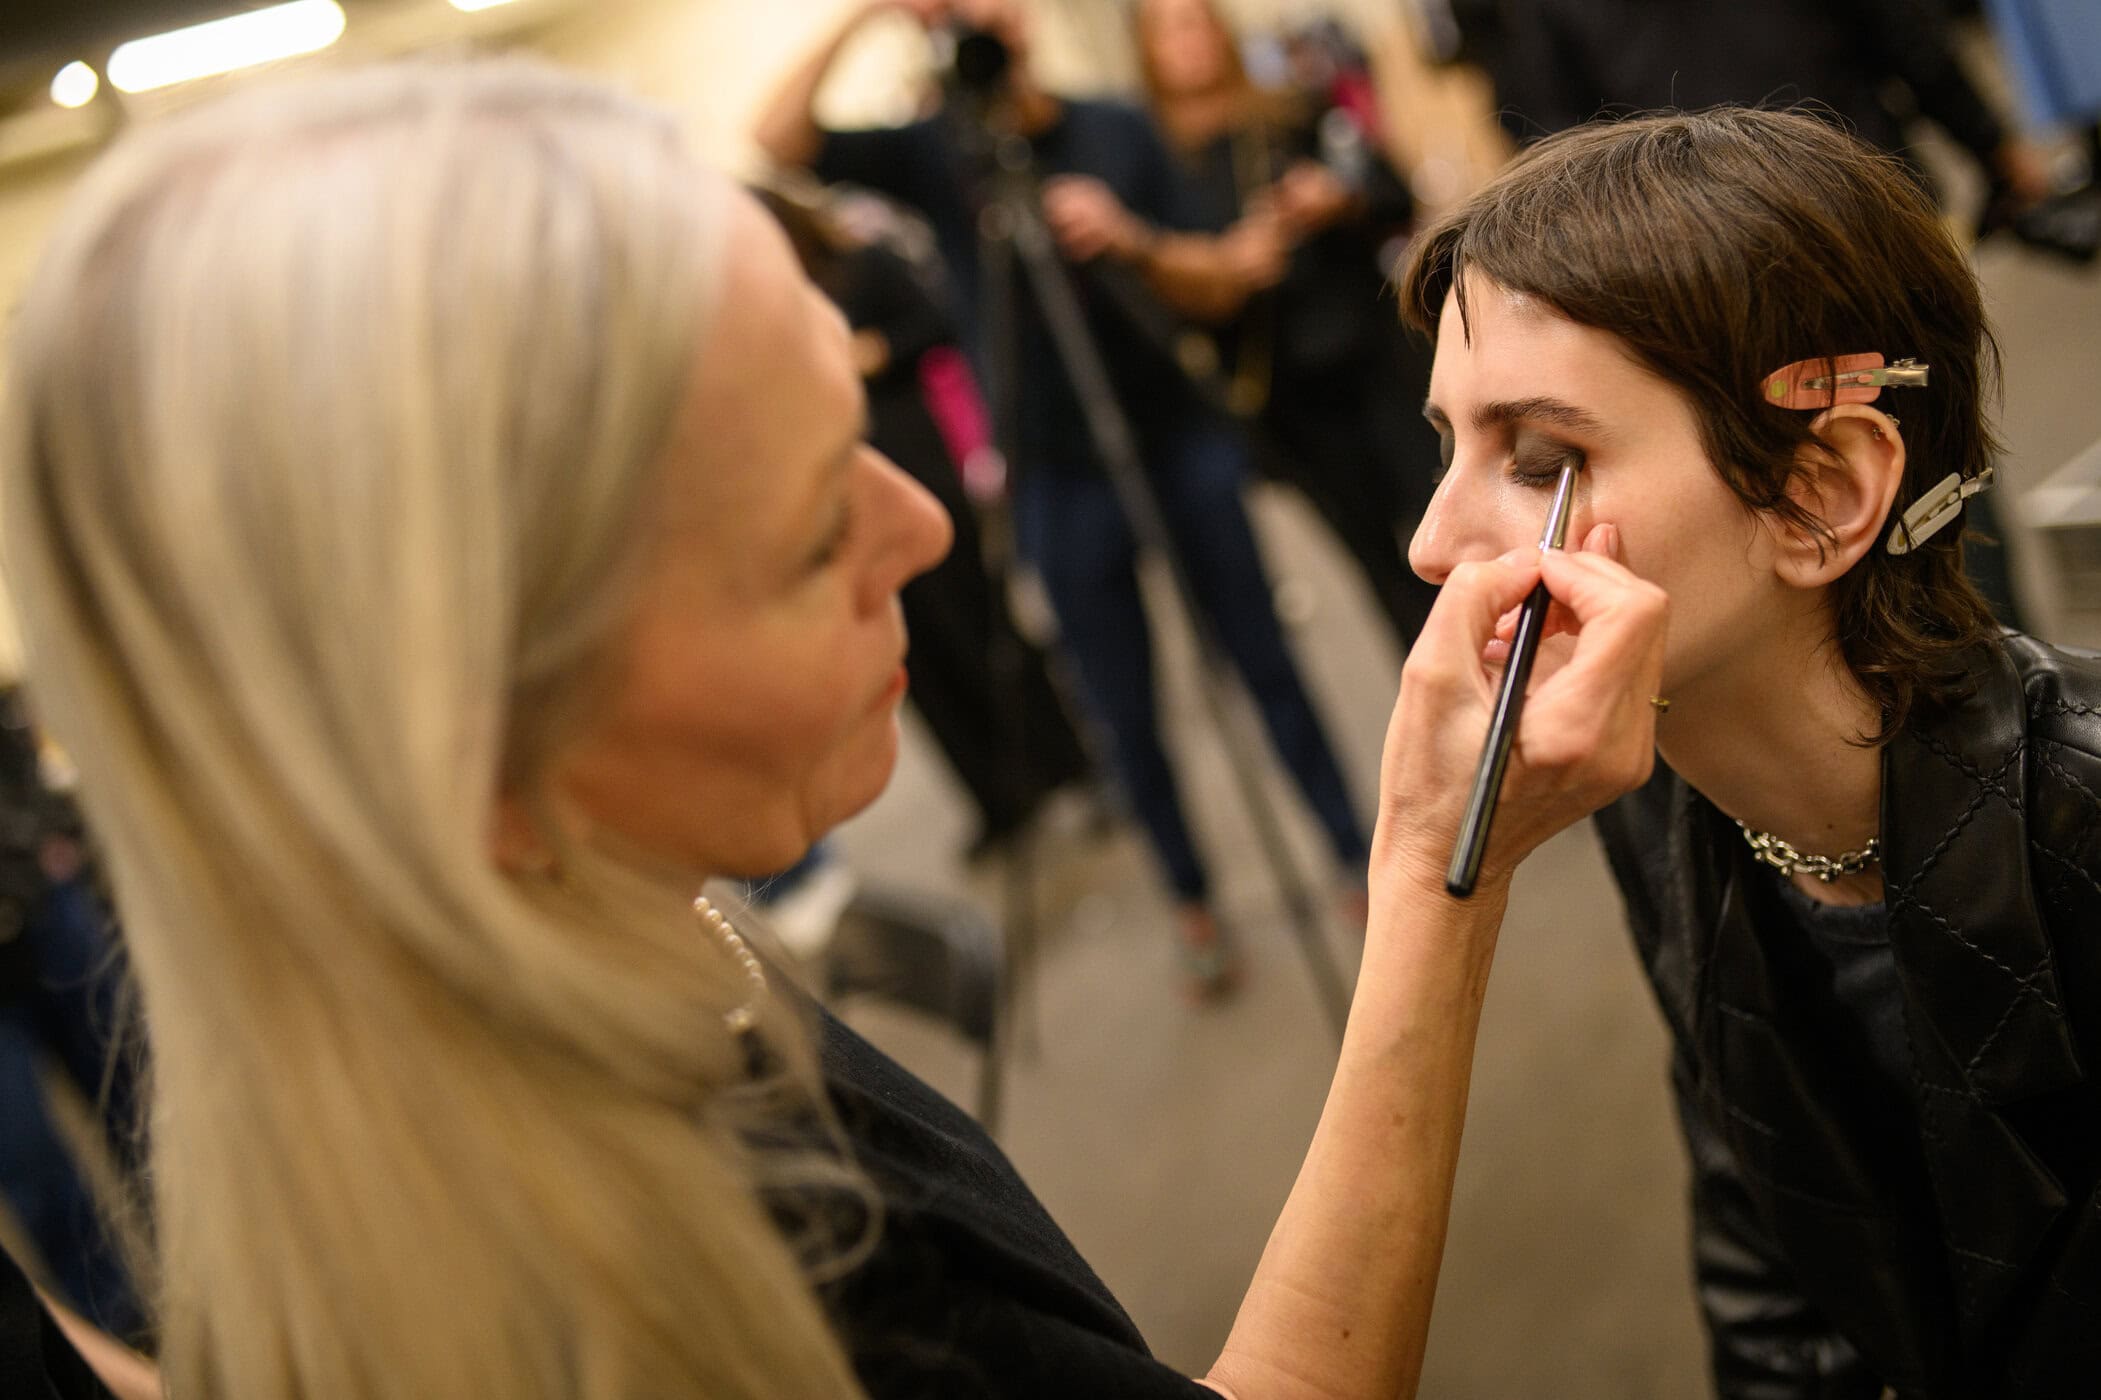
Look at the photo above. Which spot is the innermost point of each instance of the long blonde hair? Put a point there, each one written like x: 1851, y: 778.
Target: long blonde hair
x: 331, y: 416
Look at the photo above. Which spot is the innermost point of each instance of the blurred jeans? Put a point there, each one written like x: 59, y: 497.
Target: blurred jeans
x: 1072, y: 530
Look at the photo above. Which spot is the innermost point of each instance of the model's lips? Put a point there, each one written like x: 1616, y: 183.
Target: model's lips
x: 895, y: 691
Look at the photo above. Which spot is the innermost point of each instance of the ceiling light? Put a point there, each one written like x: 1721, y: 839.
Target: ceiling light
x: 222, y: 45
x: 75, y: 85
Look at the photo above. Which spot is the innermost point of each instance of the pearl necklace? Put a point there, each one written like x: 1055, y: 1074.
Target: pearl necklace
x: 743, y: 1019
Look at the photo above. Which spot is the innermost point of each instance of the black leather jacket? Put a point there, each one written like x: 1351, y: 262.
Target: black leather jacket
x: 1831, y: 1262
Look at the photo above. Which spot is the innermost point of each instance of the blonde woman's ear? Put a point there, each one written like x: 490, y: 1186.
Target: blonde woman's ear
x: 1850, y: 482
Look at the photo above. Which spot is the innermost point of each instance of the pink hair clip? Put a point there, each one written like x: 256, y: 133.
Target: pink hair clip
x: 1830, y: 380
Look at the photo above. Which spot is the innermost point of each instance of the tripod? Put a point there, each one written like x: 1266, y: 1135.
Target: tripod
x: 1012, y: 234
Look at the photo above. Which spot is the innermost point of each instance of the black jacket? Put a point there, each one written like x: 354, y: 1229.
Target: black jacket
x: 1829, y: 1264
x: 1557, y: 63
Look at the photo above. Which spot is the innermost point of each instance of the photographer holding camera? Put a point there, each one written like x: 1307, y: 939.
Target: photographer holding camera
x: 1117, y: 206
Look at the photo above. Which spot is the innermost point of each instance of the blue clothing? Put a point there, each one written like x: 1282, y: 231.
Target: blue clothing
x: 1075, y: 533
x: 2053, y: 48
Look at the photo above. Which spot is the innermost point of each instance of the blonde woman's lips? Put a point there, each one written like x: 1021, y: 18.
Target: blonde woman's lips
x: 895, y: 691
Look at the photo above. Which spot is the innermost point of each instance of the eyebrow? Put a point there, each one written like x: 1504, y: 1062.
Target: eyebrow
x: 842, y: 456
x: 1504, y: 413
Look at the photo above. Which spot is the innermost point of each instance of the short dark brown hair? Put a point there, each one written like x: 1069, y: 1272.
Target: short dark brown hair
x: 1720, y: 246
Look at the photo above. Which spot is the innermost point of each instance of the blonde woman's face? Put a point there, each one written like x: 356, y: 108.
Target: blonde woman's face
x: 755, y: 705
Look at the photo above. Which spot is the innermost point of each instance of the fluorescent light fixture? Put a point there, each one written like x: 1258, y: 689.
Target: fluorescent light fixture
x: 75, y: 85
x: 470, y: 6
x: 222, y: 45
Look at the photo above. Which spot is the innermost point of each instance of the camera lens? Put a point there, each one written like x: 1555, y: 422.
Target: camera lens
x: 981, y: 60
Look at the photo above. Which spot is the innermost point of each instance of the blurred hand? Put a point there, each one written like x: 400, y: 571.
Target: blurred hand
x: 1588, y: 733
x: 1258, y: 248
x: 871, y: 352
x: 1311, y: 197
x: 60, y: 858
x: 1089, y: 221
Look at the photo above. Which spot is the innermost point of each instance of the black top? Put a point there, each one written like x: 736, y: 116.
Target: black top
x: 972, y: 1289
x: 1839, y: 986
x: 877, y: 289
x: 1562, y: 62
x: 36, y: 1361
x: 926, y: 166
x: 1848, y: 967
x: 1335, y: 303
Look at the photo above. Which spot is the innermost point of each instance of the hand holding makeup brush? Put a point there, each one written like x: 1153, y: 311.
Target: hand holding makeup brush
x: 1561, y: 624
x: 1587, y: 734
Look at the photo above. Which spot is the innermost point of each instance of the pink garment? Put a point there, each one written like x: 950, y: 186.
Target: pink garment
x: 952, y: 397
x: 1354, y: 92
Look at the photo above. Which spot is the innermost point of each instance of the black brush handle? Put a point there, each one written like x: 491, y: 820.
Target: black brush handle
x: 1465, y: 869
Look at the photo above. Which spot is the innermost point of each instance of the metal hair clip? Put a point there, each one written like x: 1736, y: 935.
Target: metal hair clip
x: 1825, y: 382
x: 1936, y: 508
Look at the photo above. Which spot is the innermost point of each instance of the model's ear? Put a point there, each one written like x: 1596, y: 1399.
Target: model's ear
x: 1848, y: 480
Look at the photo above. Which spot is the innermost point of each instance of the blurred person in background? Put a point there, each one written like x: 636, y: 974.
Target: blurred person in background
x: 983, y: 688
x: 432, y: 601
x: 1320, y: 361
x: 1871, y: 67
x: 1118, y: 209
x: 1863, y: 881
x: 59, y: 1016
x: 2052, y: 53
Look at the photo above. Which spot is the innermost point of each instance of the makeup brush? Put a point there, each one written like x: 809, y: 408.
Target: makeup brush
x: 1465, y: 869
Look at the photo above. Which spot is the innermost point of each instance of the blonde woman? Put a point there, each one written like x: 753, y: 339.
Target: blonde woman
x: 443, y: 537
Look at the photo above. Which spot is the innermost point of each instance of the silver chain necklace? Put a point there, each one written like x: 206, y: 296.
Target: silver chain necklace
x: 1789, y: 861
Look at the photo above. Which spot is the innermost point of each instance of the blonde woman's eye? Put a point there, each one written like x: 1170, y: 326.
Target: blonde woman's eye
x: 835, y: 540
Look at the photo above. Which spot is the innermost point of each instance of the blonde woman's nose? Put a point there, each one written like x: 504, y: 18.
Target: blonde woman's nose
x: 918, y: 531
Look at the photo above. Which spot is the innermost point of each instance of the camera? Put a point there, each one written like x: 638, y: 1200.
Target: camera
x: 977, y: 61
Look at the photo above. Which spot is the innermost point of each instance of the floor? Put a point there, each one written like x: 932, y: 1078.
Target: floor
x: 1165, y: 1138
